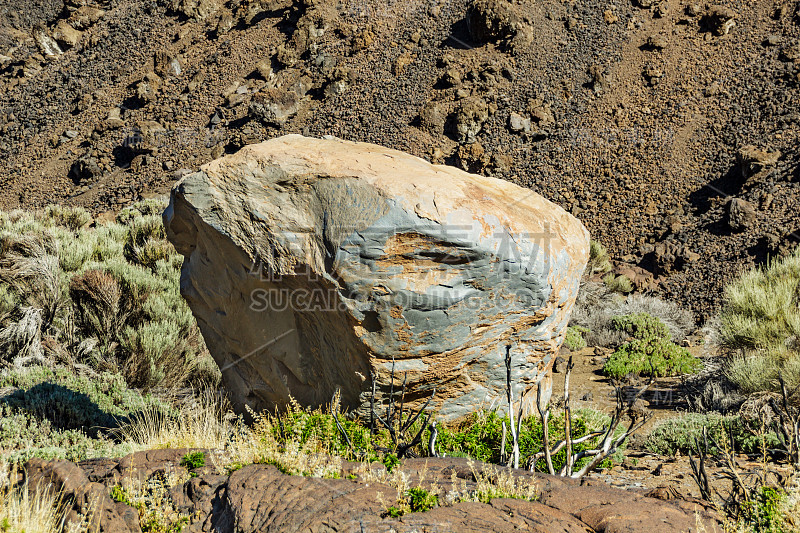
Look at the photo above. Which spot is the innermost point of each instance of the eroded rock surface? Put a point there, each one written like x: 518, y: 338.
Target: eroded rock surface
x: 312, y: 264
x: 259, y: 498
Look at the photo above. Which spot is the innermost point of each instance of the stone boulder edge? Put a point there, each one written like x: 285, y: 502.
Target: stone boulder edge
x: 313, y: 265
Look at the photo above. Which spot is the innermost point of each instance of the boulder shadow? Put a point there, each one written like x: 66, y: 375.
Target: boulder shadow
x: 63, y: 408
x: 459, y: 37
x: 730, y: 184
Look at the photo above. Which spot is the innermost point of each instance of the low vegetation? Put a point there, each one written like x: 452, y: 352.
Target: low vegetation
x: 649, y: 352
x: 574, y: 340
x: 103, y: 297
x: 760, y: 326
x: 681, y: 434
x: 100, y: 356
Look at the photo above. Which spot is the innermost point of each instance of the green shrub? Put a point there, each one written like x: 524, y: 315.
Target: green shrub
x: 760, y: 326
x: 640, y: 326
x: 599, y: 262
x: 420, y: 500
x: 679, y: 434
x: 650, y: 357
x: 56, y: 414
x: 765, y: 513
x: 69, y: 217
x: 479, y: 437
x: 159, y: 353
x: 69, y: 401
x: 149, y: 207
x: 761, y: 309
x: 194, y: 460
x: 145, y: 243
x: 620, y: 284
x: 596, y: 305
x: 753, y: 371
x: 574, y: 340
x: 109, y: 242
x: 24, y: 435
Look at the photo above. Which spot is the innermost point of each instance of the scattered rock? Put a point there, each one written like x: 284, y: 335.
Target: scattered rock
x: 362, y: 282
x: 671, y: 255
x: 610, y: 17
x: 519, y: 124
x: 451, y: 77
x: 196, y: 9
x: 65, y: 35
x: 147, y: 88
x: 597, y: 78
x: 274, y: 106
x: 492, y: 21
x: 362, y: 41
x: 401, y: 63
x: 502, y: 162
x: 653, y: 74
x: 468, y: 119
x: 85, y: 170
x: 694, y: 9
x: 719, y: 20
x: 541, y: 112
x: 657, y: 42
x: 287, y: 55
x: 753, y: 161
x: 472, y: 157
x: 741, y: 214
x: 790, y: 53
x: 47, y: 45
x: 85, y: 17
x: 432, y: 118
x: 339, y: 81
x: 225, y: 24
x: 165, y: 65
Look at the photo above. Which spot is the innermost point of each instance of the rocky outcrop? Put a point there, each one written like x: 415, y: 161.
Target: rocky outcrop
x: 313, y: 264
x: 259, y: 498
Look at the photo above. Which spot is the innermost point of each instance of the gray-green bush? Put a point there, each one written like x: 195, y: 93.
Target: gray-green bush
x: 597, y: 305
x: 760, y: 326
x: 649, y: 352
x: 53, y: 413
x: 106, y: 296
x: 681, y: 434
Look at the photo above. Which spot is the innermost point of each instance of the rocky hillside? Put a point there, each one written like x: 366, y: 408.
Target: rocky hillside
x: 641, y: 118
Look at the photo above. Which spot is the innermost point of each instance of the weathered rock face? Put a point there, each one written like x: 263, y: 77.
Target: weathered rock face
x: 260, y: 498
x: 313, y: 264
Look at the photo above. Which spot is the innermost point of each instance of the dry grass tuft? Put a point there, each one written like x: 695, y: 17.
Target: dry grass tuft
x: 205, y: 422
x: 25, y: 511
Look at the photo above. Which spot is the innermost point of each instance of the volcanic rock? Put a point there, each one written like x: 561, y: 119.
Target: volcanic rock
x: 741, y: 214
x: 492, y: 20
x: 719, y: 20
x: 258, y: 497
x: 274, y: 106
x: 313, y: 264
x: 752, y: 161
x: 469, y: 118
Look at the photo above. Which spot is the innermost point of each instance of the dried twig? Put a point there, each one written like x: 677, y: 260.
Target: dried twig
x: 699, y: 467
x: 393, y: 419
x: 515, y: 428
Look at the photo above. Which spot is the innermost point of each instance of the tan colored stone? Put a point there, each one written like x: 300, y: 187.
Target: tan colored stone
x: 313, y: 264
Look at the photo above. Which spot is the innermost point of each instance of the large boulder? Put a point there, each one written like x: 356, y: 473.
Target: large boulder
x: 316, y: 264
